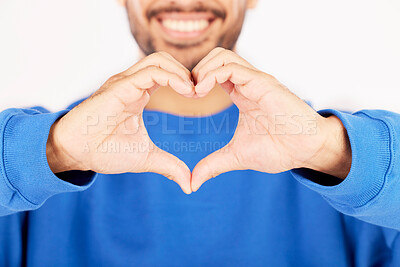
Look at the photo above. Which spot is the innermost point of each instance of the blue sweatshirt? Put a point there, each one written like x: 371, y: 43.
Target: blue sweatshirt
x: 241, y: 218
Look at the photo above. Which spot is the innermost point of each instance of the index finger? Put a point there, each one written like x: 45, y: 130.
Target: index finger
x: 217, y: 58
x: 161, y: 60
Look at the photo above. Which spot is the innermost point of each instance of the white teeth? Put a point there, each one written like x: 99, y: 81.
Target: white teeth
x: 185, y: 25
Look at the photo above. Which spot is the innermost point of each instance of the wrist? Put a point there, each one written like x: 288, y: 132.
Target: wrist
x: 334, y: 153
x: 57, y: 158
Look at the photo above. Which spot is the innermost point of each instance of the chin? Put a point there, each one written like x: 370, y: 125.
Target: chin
x: 188, y: 55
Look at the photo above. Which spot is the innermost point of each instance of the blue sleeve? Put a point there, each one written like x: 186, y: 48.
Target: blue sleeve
x: 371, y: 191
x: 26, y: 180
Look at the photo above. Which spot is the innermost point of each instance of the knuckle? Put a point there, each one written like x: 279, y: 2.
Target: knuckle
x: 211, y: 173
x: 219, y: 49
x: 163, y: 54
x: 150, y: 68
x: 230, y: 52
x: 231, y: 65
x: 155, y: 55
x: 151, y: 57
x: 177, y: 165
x: 225, y: 53
x: 268, y: 77
x: 169, y: 176
x: 114, y: 78
x: 174, y: 76
x: 174, y: 170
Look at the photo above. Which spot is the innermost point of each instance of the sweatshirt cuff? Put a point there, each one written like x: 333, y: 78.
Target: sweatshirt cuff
x: 26, y: 168
x: 371, y: 155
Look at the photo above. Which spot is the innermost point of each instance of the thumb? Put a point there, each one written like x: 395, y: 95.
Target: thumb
x: 219, y: 162
x: 164, y: 163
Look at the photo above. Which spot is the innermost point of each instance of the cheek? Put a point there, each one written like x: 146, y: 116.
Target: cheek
x: 237, y: 7
x: 136, y: 11
x: 235, y: 15
x: 139, y: 25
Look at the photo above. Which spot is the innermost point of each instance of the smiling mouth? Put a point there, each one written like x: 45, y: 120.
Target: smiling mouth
x: 186, y: 25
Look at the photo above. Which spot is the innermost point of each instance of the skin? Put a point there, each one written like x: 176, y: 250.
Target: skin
x: 276, y: 132
x: 224, y: 33
x: 142, y: 16
x: 301, y: 139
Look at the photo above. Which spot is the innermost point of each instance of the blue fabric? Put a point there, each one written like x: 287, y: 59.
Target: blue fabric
x: 241, y: 218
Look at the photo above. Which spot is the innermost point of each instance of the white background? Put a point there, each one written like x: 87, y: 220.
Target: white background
x: 338, y: 54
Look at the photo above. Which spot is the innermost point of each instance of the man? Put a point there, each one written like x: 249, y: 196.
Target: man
x: 294, y: 187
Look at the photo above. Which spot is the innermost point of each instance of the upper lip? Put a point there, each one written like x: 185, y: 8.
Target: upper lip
x: 212, y: 11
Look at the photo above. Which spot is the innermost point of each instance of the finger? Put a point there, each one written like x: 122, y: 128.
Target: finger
x: 164, y: 61
x: 232, y: 72
x: 228, y: 87
x: 164, y: 163
x: 222, y: 58
x: 250, y: 83
x: 210, y: 55
x: 219, y: 162
x: 176, y: 61
x: 148, y: 78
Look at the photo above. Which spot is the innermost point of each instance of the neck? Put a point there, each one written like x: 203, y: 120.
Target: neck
x: 165, y: 99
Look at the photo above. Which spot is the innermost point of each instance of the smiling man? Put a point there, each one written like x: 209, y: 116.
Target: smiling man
x: 87, y: 186
x: 188, y: 30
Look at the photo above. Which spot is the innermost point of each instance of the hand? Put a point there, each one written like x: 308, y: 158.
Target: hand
x: 276, y: 130
x: 86, y: 138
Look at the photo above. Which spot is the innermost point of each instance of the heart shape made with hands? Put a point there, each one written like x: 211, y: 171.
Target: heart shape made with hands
x: 257, y: 95
x: 261, y: 142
